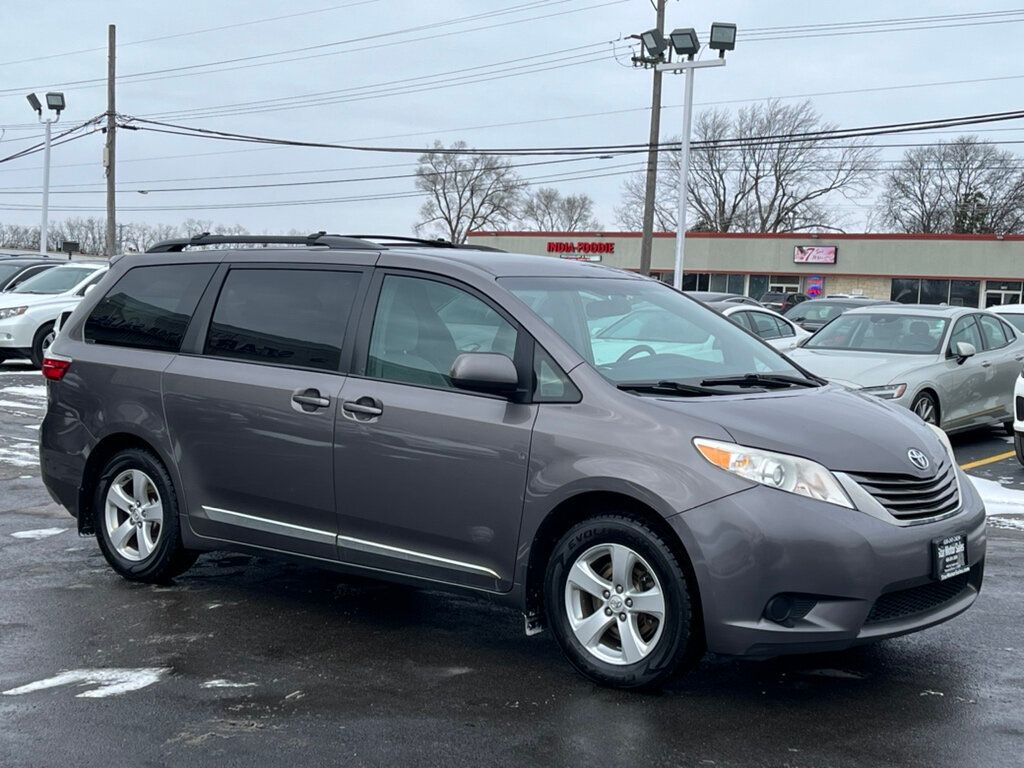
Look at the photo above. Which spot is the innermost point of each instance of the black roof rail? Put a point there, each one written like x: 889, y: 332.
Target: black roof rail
x: 334, y: 242
x: 424, y: 242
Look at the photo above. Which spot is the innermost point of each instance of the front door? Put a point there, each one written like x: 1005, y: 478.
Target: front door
x: 430, y: 478
x: 251, y: 412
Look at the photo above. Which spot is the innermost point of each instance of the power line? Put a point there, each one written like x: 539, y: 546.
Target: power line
x: 258, y: 59
x: 881, y: 22
x: 193, y: 32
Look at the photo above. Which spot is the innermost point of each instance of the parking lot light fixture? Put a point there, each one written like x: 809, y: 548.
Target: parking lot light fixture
x: 723, y: 38
x: 55, y: 101
x: 685, y: 42
x: 33, y: 101
x: 654, y: 42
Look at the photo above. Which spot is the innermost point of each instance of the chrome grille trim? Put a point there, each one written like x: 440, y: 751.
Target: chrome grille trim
x: 910, y: 498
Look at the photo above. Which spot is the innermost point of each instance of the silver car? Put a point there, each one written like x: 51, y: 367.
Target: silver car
x: 953, y: 366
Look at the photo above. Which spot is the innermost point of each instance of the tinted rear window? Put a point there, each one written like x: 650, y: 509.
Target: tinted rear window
x: 149, y: 307
x: 293, y: 317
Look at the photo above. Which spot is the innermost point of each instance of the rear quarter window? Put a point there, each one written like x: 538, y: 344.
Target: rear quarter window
x: 149, y: 307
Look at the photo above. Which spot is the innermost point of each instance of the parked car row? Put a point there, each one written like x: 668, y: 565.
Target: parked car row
x: 29, y: 310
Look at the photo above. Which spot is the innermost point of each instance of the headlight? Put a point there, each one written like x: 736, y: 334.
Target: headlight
x: 888, y: 392
x: 12, y: 312
x: 776, y: 470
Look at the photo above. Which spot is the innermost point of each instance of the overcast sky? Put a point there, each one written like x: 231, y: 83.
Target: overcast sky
x: 583, y: 96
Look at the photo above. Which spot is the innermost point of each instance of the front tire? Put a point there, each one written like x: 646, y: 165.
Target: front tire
x: 926, y: 406
x: 619, y: 603
x: 136, y: 519
x: 1018, y: 446
x: 41, y: 343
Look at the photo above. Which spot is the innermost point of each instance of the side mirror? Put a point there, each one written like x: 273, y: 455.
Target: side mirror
x: 85, y: 291
x: 963, y: 350
x: 486, y: 372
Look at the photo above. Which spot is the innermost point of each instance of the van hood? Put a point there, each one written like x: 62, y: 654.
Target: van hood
x: 842, y: 430
x: 859, y: 369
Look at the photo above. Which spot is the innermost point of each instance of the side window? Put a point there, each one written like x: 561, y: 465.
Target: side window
x: 96, y: 278
x: 149, y: 307
x: 742, y: 319
x: 1008, y: 331
x: 421, y: 326
x: 30, y: 272
x: 765, y: 326
x: 293, y: 317
x: 965, y: 330
x: 785, y: 329
x: 992, y: 332
x: 550, y: 384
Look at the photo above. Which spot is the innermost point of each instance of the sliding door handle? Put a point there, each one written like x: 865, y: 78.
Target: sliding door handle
x: 310, y: 400
x: 364, y: 406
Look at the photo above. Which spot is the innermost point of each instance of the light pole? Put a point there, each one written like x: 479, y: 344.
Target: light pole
x: 685, y: 44
x: 54, y: 102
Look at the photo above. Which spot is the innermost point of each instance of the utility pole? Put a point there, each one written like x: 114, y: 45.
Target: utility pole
x: 110, y: 246
x: 650, y: 189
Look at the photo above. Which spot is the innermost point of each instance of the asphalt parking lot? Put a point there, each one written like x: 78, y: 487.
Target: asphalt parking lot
x: 251, y: 661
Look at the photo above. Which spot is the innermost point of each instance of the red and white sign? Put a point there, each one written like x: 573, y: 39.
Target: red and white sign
x: 581, y: 250
x: 815, y: 254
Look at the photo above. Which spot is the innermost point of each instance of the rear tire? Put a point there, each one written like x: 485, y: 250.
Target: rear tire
x: 1008, y: 426
x: 41, y: 343
x: 1018, y: 446
x: 926, y: 407
x: 606, y: 582
x: 136, y: 519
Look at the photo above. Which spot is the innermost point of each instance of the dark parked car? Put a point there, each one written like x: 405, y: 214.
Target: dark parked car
x: 15, y: 270
x: 431, y: 416
x: 781, y: 301
x: 816, y: 313
x: 713, y: 297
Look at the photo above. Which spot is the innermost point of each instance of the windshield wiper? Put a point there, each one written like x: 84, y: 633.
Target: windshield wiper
x: 770, y: 380
x: 667, y: 388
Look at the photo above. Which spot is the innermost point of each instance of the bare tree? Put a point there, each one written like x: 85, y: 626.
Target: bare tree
x: 742, y: 182
x: 89, y: 233
x: 960, y: 186
x: 465, y: 191
x: 547, y: 210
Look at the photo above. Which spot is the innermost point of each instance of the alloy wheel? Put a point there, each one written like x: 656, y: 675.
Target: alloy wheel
x: 133, y: 515
x: 615, y: 604
x: 925, y: 408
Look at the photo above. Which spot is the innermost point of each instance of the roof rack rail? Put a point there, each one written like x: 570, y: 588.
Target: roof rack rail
x: 424, y: 242
x: 334, y: 242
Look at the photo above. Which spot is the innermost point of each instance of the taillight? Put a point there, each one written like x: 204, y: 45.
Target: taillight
x: 54, y: 368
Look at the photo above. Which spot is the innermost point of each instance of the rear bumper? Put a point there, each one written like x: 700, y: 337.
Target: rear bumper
x: 863, y: 578
x: 64, y: 445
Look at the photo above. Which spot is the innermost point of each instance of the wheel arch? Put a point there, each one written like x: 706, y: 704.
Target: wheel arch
x: 100, y: 454
x: 581, y: 506
x: 931, y: 390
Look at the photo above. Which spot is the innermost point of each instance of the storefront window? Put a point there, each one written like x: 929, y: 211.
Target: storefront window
x: 784, y: 284
x: 719, y: 283
x: 935, y: 291
x: 735, y: 284
x: 997, y: 293
x: 696, y: 281
x: 964, y: 293
x: 758, y: 286
x: 905, y: 291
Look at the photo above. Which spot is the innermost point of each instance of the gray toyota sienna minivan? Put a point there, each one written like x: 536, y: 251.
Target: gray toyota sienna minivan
x: 627, y: 467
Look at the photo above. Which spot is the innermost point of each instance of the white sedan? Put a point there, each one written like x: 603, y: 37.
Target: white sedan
x: 773, y: 328
x: 28, y: 314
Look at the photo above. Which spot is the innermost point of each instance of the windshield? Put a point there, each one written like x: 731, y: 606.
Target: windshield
x: 7, y: 271
x: 55, y: 280
x: 641, y: 331
x: 819, y: 313
x: 903, y: 334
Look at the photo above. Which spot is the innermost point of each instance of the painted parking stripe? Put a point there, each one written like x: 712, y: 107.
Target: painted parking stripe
x: 989, y: 460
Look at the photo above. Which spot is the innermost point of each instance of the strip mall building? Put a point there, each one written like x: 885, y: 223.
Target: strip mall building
x: 964, y: 270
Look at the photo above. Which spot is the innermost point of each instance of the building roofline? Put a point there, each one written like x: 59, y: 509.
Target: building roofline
x: 824, y: 237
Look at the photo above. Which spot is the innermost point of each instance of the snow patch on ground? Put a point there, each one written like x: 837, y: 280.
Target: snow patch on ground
x: 108, y: 682
x: 13, y: 404
x: 1005, y: 506
x: 39, y: 533
x: 22, y: 455
x: 218, y: 683
x: 32, y: 391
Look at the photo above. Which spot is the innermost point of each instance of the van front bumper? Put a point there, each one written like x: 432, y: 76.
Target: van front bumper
x: 859, y: 578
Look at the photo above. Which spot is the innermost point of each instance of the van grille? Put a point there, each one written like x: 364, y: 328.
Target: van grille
x: 908, y: 602
x: 911, y: 498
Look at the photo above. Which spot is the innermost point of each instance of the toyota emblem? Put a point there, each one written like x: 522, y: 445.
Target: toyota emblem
x: 918, y: 459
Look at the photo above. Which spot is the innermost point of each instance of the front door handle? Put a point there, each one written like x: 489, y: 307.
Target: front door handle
x: 310, y: 399
x: 364, y: 406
